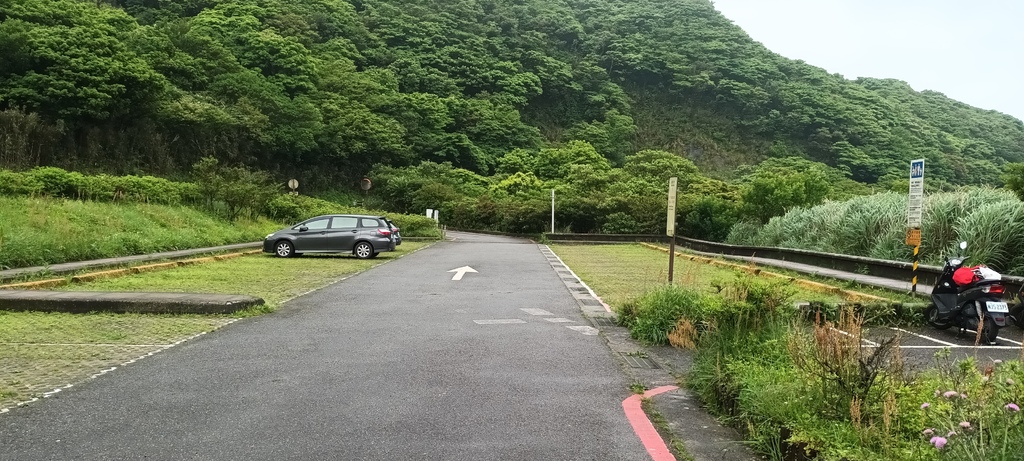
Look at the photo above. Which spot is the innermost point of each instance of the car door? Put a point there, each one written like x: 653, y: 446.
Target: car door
x: 314, y: 237
x: 344, y: 230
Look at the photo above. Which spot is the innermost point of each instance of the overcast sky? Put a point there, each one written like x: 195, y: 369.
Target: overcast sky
x: 972, y: 51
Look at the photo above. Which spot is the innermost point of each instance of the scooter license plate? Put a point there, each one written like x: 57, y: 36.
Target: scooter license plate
x: 997, y: 307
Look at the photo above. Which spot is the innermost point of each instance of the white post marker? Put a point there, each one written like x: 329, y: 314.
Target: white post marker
x: 462, y: 271
x: 430, y: 213
x: 552, y: 211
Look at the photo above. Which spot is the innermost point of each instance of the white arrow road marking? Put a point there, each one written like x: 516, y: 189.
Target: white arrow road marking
x: 462, y: 271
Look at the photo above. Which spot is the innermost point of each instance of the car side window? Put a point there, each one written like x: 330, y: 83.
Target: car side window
x: 369, y: 222
x: 343, y: 222
x: 319, y: 224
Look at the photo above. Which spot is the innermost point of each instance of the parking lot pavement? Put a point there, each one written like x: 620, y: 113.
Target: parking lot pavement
x: 919, y: 344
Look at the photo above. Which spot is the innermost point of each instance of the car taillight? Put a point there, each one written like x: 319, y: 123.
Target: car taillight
x: 993, y: 289
x: 383, y: 232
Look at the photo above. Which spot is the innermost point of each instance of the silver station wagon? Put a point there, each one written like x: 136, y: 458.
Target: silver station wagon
x: 364, y: 236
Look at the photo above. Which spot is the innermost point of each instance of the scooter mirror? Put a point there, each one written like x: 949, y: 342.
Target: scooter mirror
x: 963, y: 245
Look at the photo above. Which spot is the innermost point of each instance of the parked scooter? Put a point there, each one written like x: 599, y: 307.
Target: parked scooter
x: 968, y: 298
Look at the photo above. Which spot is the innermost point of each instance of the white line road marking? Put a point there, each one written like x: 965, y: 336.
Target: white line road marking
x: 598, y: 298
x: 870, y: 342
x: 498, y: 321
x: 924, y: 337
x: 558, y: 320
x: 589, y: 331
x: 1010, y: 341
x: 982, y: 348
x: 459, y: 272
x: 532, y: 311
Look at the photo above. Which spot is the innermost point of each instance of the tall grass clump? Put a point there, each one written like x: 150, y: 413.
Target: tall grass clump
x: 653, y: 316
x: 990, y: 220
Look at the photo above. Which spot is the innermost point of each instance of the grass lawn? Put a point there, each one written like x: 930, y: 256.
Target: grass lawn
x: 619, y: 273
x: 40, y: 352
x: 273, y: 279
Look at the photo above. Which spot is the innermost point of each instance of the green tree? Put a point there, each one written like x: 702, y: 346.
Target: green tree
x: 770, y: 192
x: 1013, y: 176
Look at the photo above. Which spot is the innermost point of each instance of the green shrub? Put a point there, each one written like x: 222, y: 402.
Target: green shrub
x: 13, y: 183
x: 294, y: 208
x: 58, y: 183
x: 55, y: 182
x: 653, y: 316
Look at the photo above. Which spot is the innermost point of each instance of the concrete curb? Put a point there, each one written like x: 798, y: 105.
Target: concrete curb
x: 93, y: 276
x: 80, y: 302
x: 28, y: 297
x: 62, y: 268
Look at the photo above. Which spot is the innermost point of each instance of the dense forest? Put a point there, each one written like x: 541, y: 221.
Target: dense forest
x: 325, y: 90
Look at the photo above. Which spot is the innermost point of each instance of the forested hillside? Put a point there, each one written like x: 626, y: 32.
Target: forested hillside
x: 326, y: 89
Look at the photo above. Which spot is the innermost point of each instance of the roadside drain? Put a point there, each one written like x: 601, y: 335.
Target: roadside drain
x: 635, y: 361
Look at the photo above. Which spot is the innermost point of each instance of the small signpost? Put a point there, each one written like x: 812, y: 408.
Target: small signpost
x: 915, y: 208
x: 293, y: 184
x: 670, y: 228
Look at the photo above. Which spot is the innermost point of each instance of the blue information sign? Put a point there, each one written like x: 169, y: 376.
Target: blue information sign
x: 917, y: 169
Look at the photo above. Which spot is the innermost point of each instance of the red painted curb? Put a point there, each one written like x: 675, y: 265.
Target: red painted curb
x: 644, y: 429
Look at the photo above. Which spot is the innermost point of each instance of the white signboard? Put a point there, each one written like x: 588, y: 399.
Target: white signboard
x: 915, y: 206
x: 430, y: 212
x: 670, y: 229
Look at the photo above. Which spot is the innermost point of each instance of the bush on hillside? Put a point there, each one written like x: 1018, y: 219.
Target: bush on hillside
x: 58, y: 183
x: 294, y: 208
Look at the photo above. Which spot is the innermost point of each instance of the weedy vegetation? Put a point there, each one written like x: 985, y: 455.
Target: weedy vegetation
x: 804, y: 388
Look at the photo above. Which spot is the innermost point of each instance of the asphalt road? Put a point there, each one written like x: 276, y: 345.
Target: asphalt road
x: 400, y: 362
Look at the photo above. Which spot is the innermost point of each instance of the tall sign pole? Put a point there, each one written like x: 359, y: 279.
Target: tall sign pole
x: 915, y: 207
x: 670, y: 228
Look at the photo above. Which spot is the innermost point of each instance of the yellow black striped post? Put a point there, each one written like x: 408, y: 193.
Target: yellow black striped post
x: 913, y: 286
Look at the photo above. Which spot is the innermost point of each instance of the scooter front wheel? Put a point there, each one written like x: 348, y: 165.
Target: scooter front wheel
x: 931, y: 315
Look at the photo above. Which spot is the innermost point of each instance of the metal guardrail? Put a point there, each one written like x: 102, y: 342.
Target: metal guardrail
x: 896, y: 270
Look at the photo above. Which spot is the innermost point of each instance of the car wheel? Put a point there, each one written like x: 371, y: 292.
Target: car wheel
x: 284, y: 249
x: 363, y: 250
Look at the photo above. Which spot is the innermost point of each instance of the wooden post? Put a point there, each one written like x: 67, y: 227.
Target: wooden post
x: 671, y: 257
